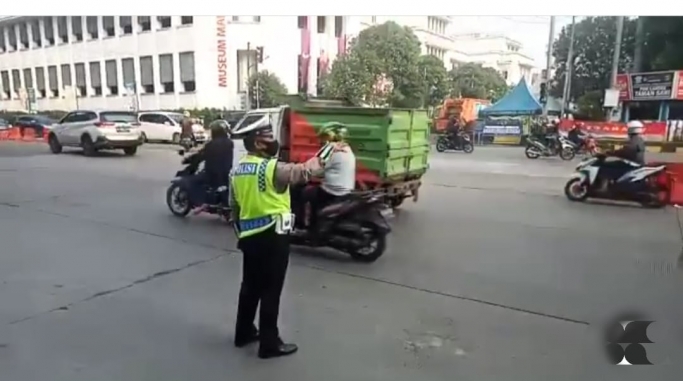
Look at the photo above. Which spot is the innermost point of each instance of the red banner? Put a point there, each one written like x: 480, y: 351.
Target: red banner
x: 623, y: 86
x: 679, y: 91
x: 654, y: 131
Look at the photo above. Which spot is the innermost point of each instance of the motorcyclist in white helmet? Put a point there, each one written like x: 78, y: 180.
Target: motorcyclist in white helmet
x: 633, y: 150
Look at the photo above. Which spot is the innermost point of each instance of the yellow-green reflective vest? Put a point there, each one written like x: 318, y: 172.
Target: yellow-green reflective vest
x: 254, y: 191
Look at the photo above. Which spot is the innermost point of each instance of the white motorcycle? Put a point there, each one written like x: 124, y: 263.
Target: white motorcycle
x: 648, y: 185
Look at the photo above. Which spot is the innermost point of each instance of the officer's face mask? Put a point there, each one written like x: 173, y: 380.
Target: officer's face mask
x: 270, y: 147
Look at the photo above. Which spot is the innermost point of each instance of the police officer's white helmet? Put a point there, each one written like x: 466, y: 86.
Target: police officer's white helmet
x: 261, y: 125
x: 635, y: 127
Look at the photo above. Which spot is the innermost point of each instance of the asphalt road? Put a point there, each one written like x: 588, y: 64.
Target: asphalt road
x: 492, y: 274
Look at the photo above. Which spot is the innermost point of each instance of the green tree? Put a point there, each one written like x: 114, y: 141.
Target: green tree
x: 436, y: 82
x: 662, y: 43
x: 266, y: 90
x: 385, y: 52
x: 589, y: 105
x: 472, y: 80
x: 349, y: 79
x: 593, y: 50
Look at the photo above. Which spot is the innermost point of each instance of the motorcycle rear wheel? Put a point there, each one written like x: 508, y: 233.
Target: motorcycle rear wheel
x: 468, y: 147
x: 441, y: 145
x: 378, y: 244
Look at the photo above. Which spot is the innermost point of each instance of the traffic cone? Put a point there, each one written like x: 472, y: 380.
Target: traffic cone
x: 4, y: 134
x: 29, y: 135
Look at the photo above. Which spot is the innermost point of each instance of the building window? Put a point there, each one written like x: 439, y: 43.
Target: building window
x: 186, y: 20
x: 187, y: 71
x: 302, y: 22
x: 373, y: 19
x: 23, y: 35
x: 126, y: 24
x: 147, y: 75
x: 92, y: 27
x: 6, y: 90
x: 77, y: 28
x: 62, y: 30
x: 505, y: 74
x: 16, y: 82
x: 145, y: 23
x: 82, y: 89
x: 108, y: 26
x: 246, y: 67
x: 257, y: 19
x: 3, y: 47
x: 28, y: 79
x: 66, y: 75
x: 49, y: 29
x: 12, y: 38
x: 338, y: 26
x: 166, y: 73
x: 128, y: 69
x: 40, y: 83
x: 321, y: 24
x: 35, y: 34
x: 96, y: 78
x: 164, y: 22
x: 52, y: 82
x: 112, y: 75
x: 235, y: 18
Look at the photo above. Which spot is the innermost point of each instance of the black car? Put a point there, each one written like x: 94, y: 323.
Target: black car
x: 37, y: 122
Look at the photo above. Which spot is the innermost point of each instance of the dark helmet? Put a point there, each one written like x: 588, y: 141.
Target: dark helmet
x: 219, y: 128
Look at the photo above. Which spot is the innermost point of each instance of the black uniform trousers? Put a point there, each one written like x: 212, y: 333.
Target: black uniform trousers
x: 264, y: 266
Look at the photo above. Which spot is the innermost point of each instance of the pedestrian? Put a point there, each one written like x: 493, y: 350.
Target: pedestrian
x: 261, y: 209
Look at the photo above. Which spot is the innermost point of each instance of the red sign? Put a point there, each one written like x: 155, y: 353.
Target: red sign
x: 654, y: 131
x: 221, y: 52
x: 679, y: 91
x: 623, y: 86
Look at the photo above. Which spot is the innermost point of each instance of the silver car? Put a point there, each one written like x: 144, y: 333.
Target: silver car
x: 96, y: 130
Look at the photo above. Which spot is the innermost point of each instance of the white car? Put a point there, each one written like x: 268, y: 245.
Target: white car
x: 96, y: 130
x: 165, y: 126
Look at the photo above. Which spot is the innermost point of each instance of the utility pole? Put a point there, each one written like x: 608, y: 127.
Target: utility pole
x: 640, y: 40
x: 569, y: 68
x: 617, y: 51
x: 248, y: 99
x: 549, y: 59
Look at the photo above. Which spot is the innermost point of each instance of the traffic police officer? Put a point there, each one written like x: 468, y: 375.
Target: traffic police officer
x: 261, y: 210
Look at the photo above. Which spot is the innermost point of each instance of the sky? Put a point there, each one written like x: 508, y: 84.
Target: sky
x: 531, y: 31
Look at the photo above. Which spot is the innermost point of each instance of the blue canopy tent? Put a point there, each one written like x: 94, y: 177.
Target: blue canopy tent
x: 517, y: 102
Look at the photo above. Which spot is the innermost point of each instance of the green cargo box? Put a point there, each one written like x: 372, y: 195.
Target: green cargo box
x: 391, y: 145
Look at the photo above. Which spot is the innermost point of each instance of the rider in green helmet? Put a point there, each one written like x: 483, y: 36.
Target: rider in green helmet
x: 340, y: 172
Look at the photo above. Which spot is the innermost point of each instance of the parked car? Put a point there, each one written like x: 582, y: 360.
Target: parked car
x: 96, y: 130
x: 165, y: 127
x: 37, y: 122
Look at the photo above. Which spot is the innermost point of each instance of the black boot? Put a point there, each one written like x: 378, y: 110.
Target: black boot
x: 280, y: 350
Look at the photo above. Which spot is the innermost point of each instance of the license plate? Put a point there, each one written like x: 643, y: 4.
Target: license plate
x: 122, y: 129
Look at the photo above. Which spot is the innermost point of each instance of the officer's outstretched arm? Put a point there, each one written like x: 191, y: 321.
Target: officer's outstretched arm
x: 287, y: 174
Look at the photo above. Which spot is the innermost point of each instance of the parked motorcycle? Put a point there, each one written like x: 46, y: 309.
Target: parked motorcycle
x: 648, y: 185
x: 562, y: 147
x: 178, y: 194
x: 357, y: 225
x: 464, y: 143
